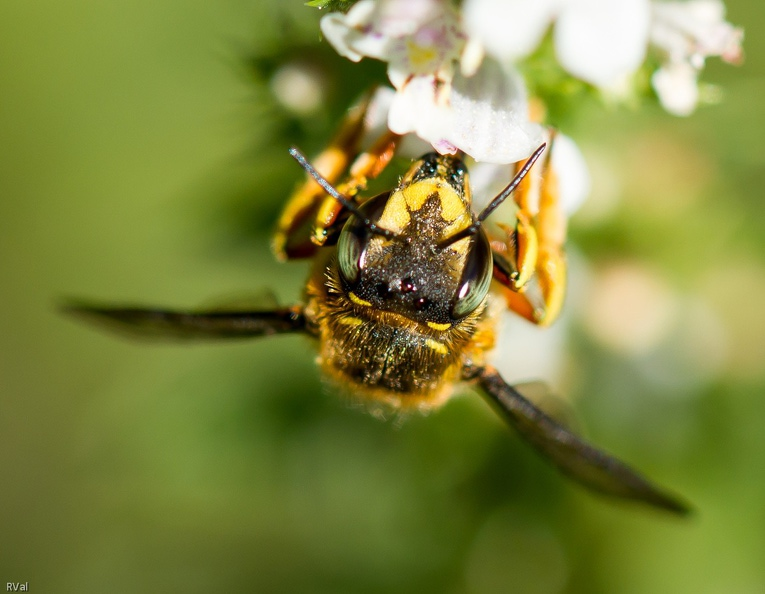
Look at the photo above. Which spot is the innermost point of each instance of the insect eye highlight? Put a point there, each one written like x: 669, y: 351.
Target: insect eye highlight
x: 476, y: 277
x: 350, y: 253
x: 355, y: 236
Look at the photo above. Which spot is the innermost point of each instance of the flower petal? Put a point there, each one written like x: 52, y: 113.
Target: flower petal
x: 417, y: 108
x: 490, y: 119
x: 431, y: 49
x: 351, y: 34
x: 400, y: 18
x: 376, y: 120
x: 675, y: 84
x: 508, y: 29
x: 695, y: 30
x: 602, y: 41
x: 376, y: 124
x: 569, y: 165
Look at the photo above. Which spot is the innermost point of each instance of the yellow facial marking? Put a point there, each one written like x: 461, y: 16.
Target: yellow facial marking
x: 454, y: 209
x: 358, y: 300
x: 395, y: 216
x: 439, y: 347
x: 350, y: 321
x: 440, y: 327
x: 417, y: 193
x: 452, y: 205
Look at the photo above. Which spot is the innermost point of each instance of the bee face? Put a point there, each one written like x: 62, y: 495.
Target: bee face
x: 416, y: 273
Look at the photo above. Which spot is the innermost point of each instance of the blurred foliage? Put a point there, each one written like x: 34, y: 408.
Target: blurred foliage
x: 143, y: 159
x: 563, y: 96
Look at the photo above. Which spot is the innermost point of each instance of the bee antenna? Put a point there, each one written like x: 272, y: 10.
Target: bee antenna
x: 332, y: 191
x: 513, y: 184
x: 473, y: 228
x: 462, y: 234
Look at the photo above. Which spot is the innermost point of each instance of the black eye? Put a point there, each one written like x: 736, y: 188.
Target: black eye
x: 349, y: 252
x: 476, y: 277
x: 354, y: 239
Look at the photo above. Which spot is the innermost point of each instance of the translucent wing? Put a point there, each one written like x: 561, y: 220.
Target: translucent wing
x: 261, y: 300
x: 541, y: 396
x: 190, y: 325
x: 575, y: 457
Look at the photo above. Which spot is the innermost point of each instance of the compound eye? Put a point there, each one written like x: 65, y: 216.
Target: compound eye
x: 355, y: 237
x: 476, y: 277
x: 349, y: 254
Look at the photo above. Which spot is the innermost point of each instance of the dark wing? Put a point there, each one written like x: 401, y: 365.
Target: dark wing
x: 584, y: 463
x: 182, y: 325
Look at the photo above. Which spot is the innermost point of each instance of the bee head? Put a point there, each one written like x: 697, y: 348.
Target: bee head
x: 409, y: 273
x: 418, y: 250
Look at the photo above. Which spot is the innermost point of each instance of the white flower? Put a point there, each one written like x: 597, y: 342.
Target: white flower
x: 490, y: 115
x: 677, y: 87
x: 488, y: 179
x: 485, y: 114
x: 415, y: 37
x: 604, y: 42
x: 688, y: 33
x: 695, y: 30
x: 599, y: 41
x: 454, y: 74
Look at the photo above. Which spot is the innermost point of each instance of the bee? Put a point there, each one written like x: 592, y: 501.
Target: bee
x: 406, y: 288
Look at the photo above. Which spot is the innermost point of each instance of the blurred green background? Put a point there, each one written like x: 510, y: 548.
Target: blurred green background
x: 143, y: 160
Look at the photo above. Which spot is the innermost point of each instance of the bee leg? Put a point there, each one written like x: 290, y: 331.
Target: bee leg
x: 309, y: 214
x: 365, y: 167
x: 573, y: 456
x: 146, y: 322
x: 530, y: 262
x: 292, y: 237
